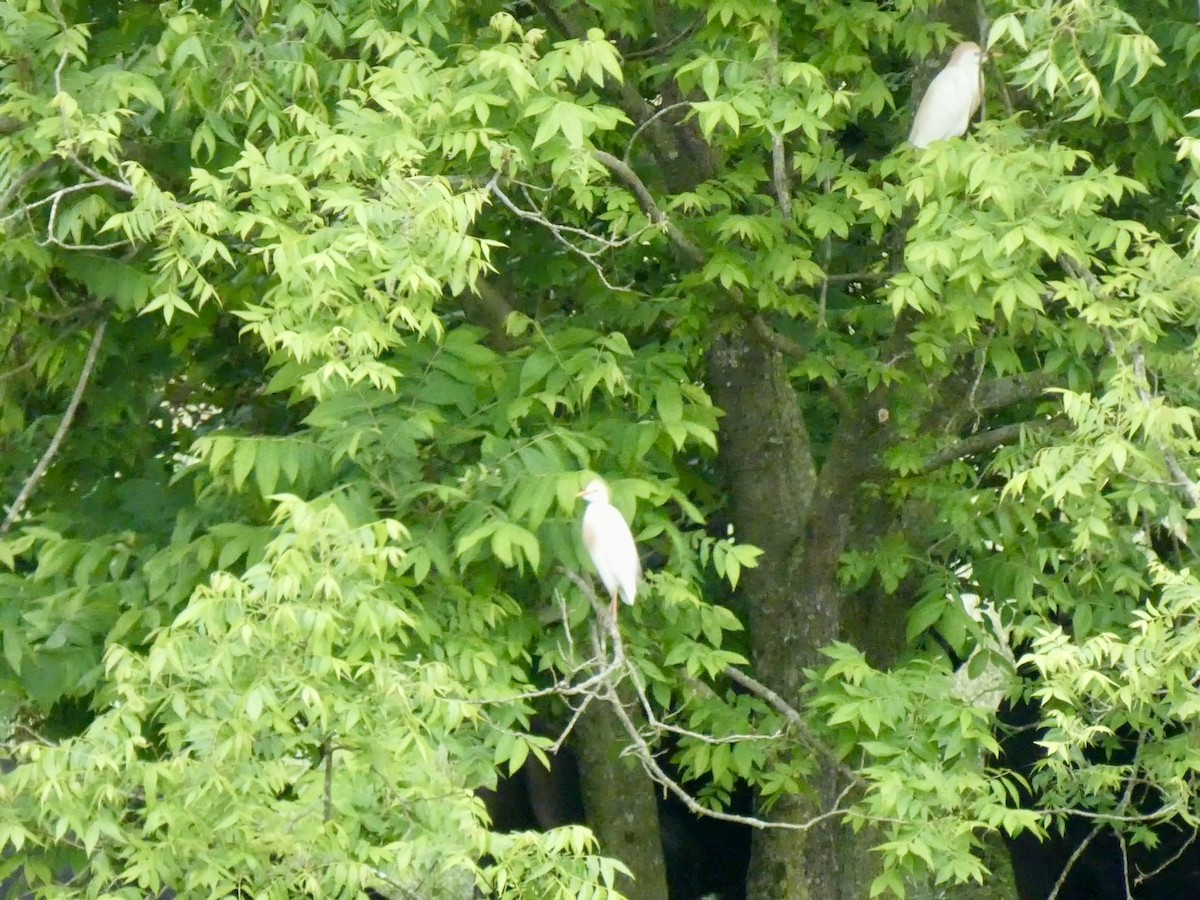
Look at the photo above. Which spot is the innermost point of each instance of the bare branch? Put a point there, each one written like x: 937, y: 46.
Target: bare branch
x: 670, y: 107
x: 44, y: 463
x: 763, y: 692
x: 1103, y: 819
x: 1169, y: 861
x: 823, y: 297
x: 648, y: 206
x: 790, y: 713
x: 645, y: 753
x: 780, y: 343
x: 560, y: 232
x: 1001, y: 392
x: 633, y: 103
x: 984, y: 440
x: 327, y: 750
x: 783, y: 187
x: 668, y: 44
x: 52, y: 198
x: 51, y: 238
x: 1125, y: 865
x: 662, y: 727
x: 571, y: 723
x: 646, y: 757
x: 122, y: 185
x: 779, y: 174
x: 1072, y: 859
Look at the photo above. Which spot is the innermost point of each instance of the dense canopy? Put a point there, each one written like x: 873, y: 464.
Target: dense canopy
x: 317, y: 315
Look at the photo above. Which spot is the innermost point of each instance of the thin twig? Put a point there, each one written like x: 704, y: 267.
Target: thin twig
x: 52, y: 198
x: 51, y: 238
x: 823, y: 299
x: 560, y: 232
x: 660, y: 726
x: 763, y: 692
x: 1122, y: 805
x: 779, y: 174
x: 1125, y: 866
x: 790, y: 713
x: 1159, y: 815
x: 670, y: 107
x: 1072, y: 859
x: 667, y: 44
x: 44, y: 463
x: 1170, y: 860
x: 575, y: 716
x: 123, y: 185
x: 646, y: 757
x: 850, y: 277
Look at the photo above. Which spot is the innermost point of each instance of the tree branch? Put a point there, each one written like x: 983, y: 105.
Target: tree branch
x: 625, y: 172
x: 769, y: 337
x: 1001, y: 392
x: 758, y: 328
x: 560, y: 233
x: 779, y: 173
x: 646, y: 757
x: 603, y: 685
x: 43, y: 464
x: 633, y: 103
x: 670, y: 107
x: 984, y: 440
x: 487, y: 306
x: 668, y: 44
x: 1074, y: 858
x: 851, y: 277
x: 790, y: 713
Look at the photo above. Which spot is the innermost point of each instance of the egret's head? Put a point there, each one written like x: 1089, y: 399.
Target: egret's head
x: 968, y: 54
x: 595, y: 492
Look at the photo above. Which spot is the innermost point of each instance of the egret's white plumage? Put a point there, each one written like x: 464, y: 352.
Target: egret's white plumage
x: 609, y: 543
x: 952, y: 98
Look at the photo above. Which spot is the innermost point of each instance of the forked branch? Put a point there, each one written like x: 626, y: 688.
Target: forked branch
x: 43, y: 464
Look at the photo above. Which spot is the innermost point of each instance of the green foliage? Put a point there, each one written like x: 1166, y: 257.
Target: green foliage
x: 386, y: 283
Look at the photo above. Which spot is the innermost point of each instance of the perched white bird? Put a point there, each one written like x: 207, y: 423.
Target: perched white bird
x: 609, y: 543
x: 952, y: 98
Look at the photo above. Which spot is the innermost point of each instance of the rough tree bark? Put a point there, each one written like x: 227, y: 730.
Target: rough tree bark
x: 801, y: 517
x: 618, y: 798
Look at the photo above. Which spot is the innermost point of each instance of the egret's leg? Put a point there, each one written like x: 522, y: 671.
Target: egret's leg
x: 612, y: 609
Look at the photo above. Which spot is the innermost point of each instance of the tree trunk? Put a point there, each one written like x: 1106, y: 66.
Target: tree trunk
x: 767, y: 459
x: 618, y: 798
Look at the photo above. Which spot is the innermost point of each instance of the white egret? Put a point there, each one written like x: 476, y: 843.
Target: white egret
x: 609, y: 543
x: 952, y: 98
